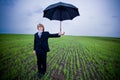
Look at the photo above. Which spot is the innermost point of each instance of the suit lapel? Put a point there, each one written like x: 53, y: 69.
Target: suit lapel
x: 37, y: 35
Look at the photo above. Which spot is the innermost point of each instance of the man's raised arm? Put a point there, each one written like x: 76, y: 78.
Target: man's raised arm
x: 56, y: 35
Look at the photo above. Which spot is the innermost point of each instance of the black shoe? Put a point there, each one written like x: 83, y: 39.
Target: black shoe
x: 40, y: 75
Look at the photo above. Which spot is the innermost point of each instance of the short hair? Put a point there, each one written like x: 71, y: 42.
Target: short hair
x: 40, y: 25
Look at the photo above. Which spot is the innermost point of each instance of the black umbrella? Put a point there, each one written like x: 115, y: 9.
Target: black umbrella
x: 61, y: 11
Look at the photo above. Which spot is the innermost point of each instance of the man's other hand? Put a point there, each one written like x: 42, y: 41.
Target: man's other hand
x: 34, y: 52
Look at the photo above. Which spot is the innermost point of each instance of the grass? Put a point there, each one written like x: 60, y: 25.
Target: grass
x: 70, y: 58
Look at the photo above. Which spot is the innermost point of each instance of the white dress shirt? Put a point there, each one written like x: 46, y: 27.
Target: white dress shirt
x: 39, y: 34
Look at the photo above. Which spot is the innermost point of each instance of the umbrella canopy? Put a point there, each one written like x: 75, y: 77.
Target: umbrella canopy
x: 61, y: 11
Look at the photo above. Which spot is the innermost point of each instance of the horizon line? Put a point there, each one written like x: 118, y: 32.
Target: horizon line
x: 64, y: 35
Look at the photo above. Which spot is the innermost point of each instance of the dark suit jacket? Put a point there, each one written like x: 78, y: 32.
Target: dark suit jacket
x: 41, y: 44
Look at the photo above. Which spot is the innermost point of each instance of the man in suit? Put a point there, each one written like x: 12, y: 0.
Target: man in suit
x: 41, y: 47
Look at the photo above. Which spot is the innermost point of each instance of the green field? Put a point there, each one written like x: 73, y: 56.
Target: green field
x: 70, y: 58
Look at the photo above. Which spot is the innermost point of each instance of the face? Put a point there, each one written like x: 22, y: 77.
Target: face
x: 40, y: 28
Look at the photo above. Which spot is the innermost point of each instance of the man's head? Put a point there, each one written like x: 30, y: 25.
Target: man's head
x: 40, y: 27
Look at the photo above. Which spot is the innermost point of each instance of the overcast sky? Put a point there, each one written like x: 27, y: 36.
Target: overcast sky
x: 97, y: 17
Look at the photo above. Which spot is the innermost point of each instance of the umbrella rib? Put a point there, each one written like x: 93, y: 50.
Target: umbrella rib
x: 69, y: 14
x: 52, y: 14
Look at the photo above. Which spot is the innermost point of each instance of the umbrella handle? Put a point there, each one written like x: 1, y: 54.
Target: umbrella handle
x: 60, y: 26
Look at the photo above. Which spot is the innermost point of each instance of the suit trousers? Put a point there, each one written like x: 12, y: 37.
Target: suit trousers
x: 41, y: 62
